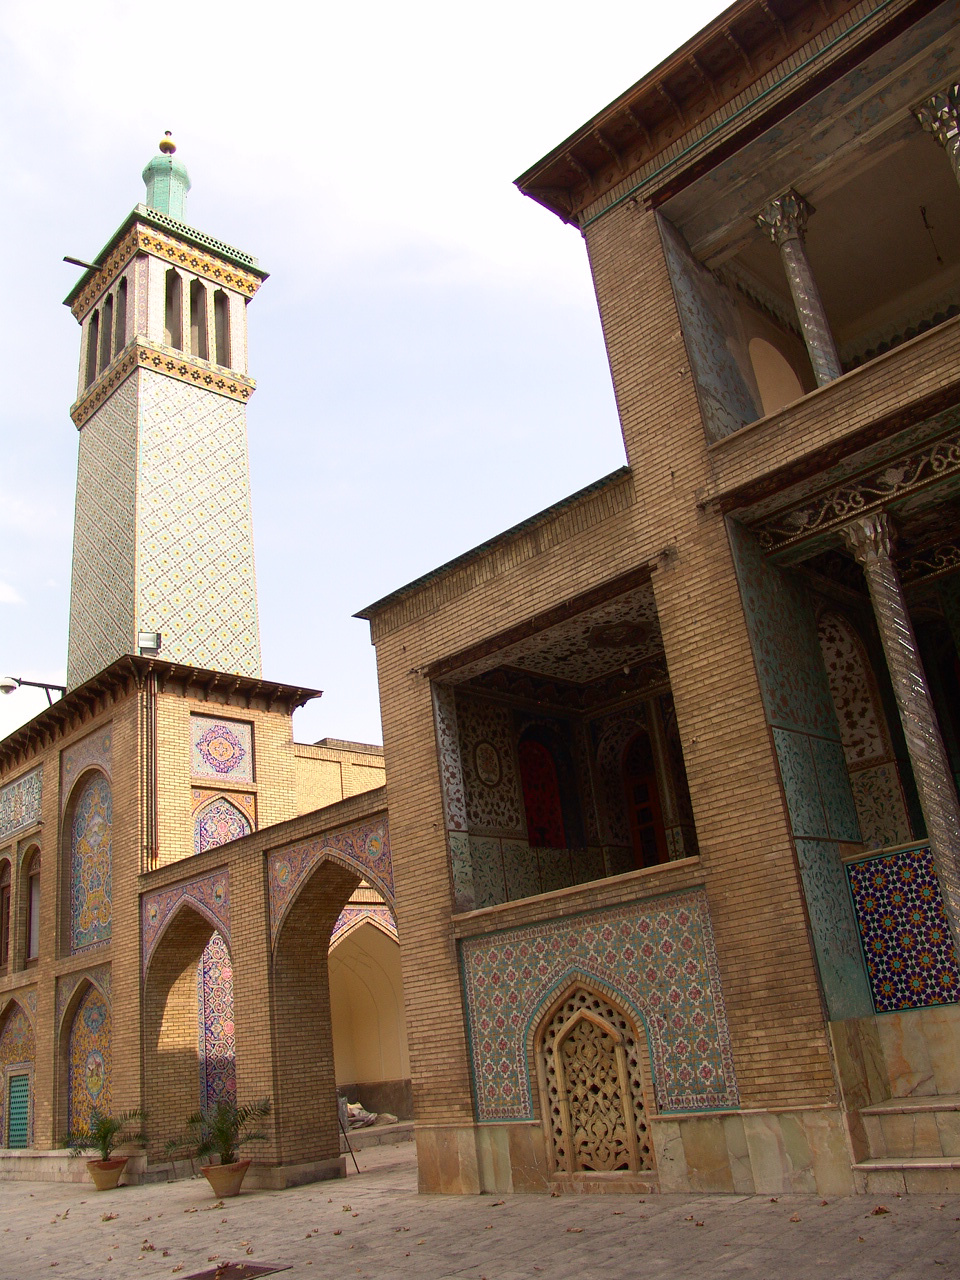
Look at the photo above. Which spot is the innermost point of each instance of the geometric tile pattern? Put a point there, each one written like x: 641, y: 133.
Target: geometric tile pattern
x: 195, y: 569
x: 20, y: 803
x: 90, y: 864
x: 221, y: 749
x: 904, y: 930
x: 218, y: 823
x: 215, y: 1026
x: 209, y: 895
x: 657, y: 959
x: 364, y: 849
x: 351, y: 918
x: 89, y: 1060
x: 102, y: 622
x: 18, y: 1049
x: 93, y: 751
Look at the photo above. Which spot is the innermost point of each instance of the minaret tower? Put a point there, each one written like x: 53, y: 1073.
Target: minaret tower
x: 163, y: 541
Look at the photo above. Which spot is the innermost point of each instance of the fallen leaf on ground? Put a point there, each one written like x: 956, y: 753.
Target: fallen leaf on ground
x: 881, y: 1208
x: 794, y: 1217
x: 338, y: 1232
x: 823, y: 1202
x: 496, y: 1202
x: 574, y: 1230
x: 250, y: 1250
x: 104, y: 1217
x: 698, y: 1224
x: 774, y: 1199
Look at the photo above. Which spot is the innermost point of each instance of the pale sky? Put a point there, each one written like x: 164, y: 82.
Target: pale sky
x: 428, y: 355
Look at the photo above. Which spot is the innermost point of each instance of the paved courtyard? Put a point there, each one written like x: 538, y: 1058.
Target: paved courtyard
x: 375, y: 1226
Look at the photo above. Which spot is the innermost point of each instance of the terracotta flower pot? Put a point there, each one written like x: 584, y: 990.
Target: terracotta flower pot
x: 106, y: 1173
x: 225, y: 1179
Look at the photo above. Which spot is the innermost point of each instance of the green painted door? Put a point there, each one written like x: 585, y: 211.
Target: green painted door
x: 18, y: 1111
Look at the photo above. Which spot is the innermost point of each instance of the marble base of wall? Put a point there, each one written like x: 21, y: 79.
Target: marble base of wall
x: 748, y: 1152
x: 58, y: 1166
x: 265, y: 1177
x: 755, y: 1152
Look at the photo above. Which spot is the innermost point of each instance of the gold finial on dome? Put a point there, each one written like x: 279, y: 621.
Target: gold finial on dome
x: 167, y: 144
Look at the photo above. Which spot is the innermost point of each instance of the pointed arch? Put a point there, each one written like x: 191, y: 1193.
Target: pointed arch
x: 18, y: 1052
x: 218, y: 822
x: 171, y: 1020
x: 86, y: 1048
x: 88, y: 845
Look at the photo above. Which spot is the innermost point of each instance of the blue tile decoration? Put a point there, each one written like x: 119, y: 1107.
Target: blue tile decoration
x: 835, y: 790
x: 881, y: 808
x: 657, y: 957
x: 834, y: 930
x: 91, y: 839
x: 783, y: 637
x: 215, y: 1026
x: 221, y: 749
x: 903, y: 926
x: 708, y: 317
x: 486, y: 862
x: 20, y: 803
x: 800, y: 784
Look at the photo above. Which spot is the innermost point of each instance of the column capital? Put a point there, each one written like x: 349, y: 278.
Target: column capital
x: 870, y: 538
x: 940, y: 115
x: 785, y: 218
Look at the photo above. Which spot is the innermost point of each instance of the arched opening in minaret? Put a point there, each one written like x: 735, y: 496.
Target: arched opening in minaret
x: 173, y: 310
x: 120, y: 318
x: 221, y: 325
x: 198, y: 319
x: 105, y: 331
x: 93, y: 341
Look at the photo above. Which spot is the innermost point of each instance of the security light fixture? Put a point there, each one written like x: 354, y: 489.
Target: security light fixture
x: 8, y: 684
x: 148, y: 642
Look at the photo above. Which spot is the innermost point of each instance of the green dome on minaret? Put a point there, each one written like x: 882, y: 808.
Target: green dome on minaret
x: 167, y: 181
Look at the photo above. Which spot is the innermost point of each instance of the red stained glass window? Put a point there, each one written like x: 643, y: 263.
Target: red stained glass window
x: 541, y: 796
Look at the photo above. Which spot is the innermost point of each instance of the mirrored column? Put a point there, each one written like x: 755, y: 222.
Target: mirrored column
x: 785, y: 220
x: 870, y: 540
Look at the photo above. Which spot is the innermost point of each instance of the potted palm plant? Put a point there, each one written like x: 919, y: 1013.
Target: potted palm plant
x: 220, y: 1129
x: 104, y: 1133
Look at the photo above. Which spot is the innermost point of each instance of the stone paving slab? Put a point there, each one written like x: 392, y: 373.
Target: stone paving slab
x: 374, y: 1226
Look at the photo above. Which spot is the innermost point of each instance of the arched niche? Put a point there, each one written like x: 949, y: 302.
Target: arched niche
x: 218, y: 822
x: 88, y: 874
x: 367, y: 1016
x: 18, y: 1052
x: 86, y: 1055
x: 306, y: 1109
x: 171, y: 1025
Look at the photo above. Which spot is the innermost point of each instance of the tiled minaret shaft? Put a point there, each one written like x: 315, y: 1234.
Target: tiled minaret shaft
x: 163, y: 541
